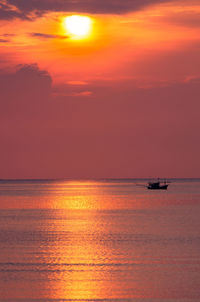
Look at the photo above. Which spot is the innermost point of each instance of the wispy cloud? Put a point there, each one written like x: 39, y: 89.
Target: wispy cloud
x: 77, y: 83
x: 82, y: 93
x: 48, y: 36
x: 10, y: 11
x: 190, y: 18
x: 3, y: 40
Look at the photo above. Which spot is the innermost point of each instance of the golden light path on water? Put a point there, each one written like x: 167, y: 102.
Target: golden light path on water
x: 90, y: 259
x: 81, y: 279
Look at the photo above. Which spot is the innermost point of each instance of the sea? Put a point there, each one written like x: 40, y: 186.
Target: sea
x: 99, y: 240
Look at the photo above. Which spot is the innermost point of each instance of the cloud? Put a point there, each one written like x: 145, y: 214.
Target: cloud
x: 8, y: 11
x: 71, y: 89
x: 25, y: 77
x: 77, y: 83
x: 24, y: 91
x: 185, y: 19
x: 47, y: 36
x: 82, y: 93
x: 3, y: 40
x: 24, y: 8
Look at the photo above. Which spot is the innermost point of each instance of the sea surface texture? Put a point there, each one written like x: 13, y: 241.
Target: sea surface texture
x: 105, y: 240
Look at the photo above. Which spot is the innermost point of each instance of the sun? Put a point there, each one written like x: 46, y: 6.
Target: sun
x: 78, y: 26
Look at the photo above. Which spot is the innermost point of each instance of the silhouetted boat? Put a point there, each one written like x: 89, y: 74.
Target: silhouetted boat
x: 158, y: 185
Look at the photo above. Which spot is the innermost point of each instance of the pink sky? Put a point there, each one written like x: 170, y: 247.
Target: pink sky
x: 123, y: 102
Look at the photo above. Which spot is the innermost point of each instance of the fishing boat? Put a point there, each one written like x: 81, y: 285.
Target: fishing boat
x: 158, y: 185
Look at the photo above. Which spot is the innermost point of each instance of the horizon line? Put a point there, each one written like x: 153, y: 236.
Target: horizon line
x: 96, y: 178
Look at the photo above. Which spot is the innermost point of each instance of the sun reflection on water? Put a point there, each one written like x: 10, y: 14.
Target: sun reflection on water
x: 78, y: 253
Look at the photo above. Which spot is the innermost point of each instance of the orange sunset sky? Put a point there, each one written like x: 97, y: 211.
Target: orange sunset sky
x: 120, y: 99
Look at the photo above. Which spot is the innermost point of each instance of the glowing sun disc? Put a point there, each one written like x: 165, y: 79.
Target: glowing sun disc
x: 78, y: 25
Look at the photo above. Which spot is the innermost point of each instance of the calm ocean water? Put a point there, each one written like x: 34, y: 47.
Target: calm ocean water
x: 99, y: 241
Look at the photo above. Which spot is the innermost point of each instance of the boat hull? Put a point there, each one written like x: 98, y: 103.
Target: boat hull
x: 162, y: 187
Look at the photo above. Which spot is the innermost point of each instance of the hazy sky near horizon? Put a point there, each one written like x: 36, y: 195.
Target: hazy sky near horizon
x: 122, y: 101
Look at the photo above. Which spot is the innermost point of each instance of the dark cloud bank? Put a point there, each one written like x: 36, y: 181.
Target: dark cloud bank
x: 25, y: 7
x: 27, y: 80
x: 116, y: 132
